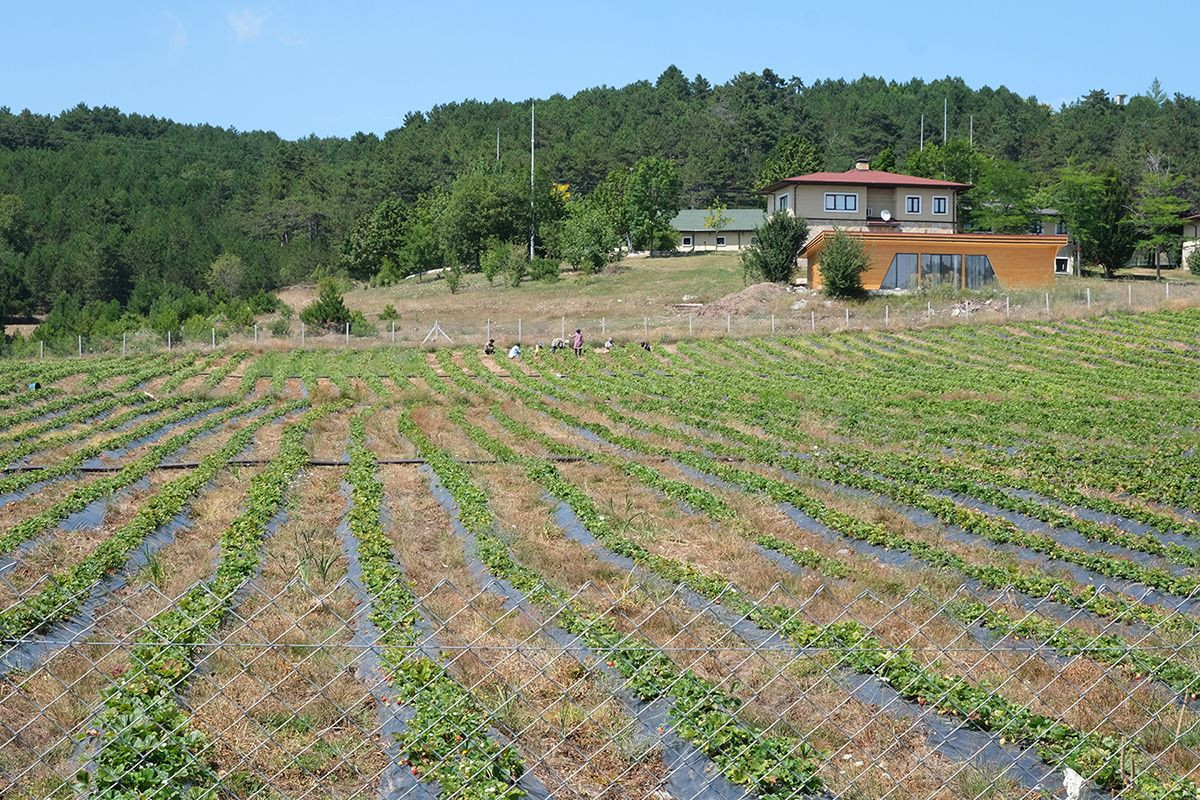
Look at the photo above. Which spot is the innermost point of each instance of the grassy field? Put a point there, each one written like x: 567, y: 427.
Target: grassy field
x: 854, y: 565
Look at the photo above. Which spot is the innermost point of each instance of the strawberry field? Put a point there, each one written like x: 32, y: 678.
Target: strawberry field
x: 948, y: 563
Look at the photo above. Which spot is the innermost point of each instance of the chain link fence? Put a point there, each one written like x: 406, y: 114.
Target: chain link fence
x: 809, y: 313
x: 293, y: 697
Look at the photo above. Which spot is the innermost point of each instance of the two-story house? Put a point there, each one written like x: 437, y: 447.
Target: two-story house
x: 863, y: 199
x: 910, y: 231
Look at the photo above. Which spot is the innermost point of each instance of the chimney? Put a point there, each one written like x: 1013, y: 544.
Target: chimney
x: 862, y: 164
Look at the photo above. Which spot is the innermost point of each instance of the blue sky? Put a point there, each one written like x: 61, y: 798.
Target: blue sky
x: 336, y: 68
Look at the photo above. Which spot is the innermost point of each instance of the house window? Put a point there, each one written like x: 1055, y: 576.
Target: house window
x: 687, y: 241
x: 902, y: 274
x: 941, y: 270
x: 1061, y: 266
x: 979, y: 272
x: 720, y: 241
x: 941, y: 205
x: 912, y: 204
x: 1037, y: 227
x: 1060, y: 228
x: 841, y: 202
x: 781, y: 203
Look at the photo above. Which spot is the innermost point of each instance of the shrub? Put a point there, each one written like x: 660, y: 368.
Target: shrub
x: 777, y: 243
x: 328, y: 310
x: 1193, y: 261
x: 281, y: 328
x: 453, y: 278
x: 265, y: 303
x: 389, y: 312
x: 843, y: 262
x: 359, y: 326
x: 543, y: 269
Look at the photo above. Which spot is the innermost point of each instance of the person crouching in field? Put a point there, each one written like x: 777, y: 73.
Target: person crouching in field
x: 490, y: 347
x: 558, y: 344
x: 577, y: 343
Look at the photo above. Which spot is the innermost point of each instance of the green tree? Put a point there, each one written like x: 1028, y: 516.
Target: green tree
x: 1113, y: 237
x: 777, y: 243
x: 885, y: 161
x: 377, y: 236
x: 1193, y: 261
x: 328, y: 310
x: 1157, y: 212
x: 651, y: 202
x: 589, y: 240
x: 227, y: 276
x: 792, y: 156
x: 715, y: 219
x: 1002, y: 199
x: 843, y: 261
x: 1077, y: 195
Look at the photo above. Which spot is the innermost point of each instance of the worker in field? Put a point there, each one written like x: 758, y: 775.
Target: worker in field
x: 645, y: 346
x: 514, y: 351
x: 577, y: 343
x: 490, y: 348
x: 609, y: 344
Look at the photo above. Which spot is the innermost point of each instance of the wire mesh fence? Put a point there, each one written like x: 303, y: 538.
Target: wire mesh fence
x: 298, y: 694
x: 808, y: 313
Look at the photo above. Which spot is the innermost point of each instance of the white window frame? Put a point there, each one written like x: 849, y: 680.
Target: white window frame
x: 687, y: 241
x: 720, y: 241
x: 831, y: 202
x: 908, y: 203
x: 781, y: 202
x: 945, y: 205
x: 1066, y: 265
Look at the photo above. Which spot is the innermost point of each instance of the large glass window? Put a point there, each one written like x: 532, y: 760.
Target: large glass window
x: 781, y: 203
x: 940, y: 205
x: 979, y: 272
x: 841, y: 202
x: 938, y: 270
x: 912, y: 204
x: 902, y: 274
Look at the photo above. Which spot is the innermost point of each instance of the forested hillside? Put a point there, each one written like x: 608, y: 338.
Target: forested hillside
x: 97, y: 205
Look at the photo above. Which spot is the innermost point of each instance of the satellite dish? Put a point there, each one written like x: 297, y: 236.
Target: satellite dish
x: 885, y: 215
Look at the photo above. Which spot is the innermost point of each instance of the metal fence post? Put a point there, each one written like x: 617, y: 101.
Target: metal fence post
x: 772, y: 324
x: 887, y: 315
x: 256, y: 333
x: 645, y: 327
x: 1089, y: 297
x: 967, y: 308
x: 928, y: 309
x: 1167, y: 288
x: 393, y: 331
x: 847, y: 310
x: 42, y: 348
x: 1129, y: 288
x: 302, y: 334
x: 214, y: 338
x: 518, y: 330
x: 689, y: 324
x: 728, y: 323
x: 123, y: 335
x: 1007, y: 311
x: 813, y: 320
x: 168, y: 341
x: 347, y: 333
x: 603, y: 327
x: 80, y: 338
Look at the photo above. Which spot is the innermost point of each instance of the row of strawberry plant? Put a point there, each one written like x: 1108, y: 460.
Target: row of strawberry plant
x: 14, y: 418
x: 179, y: 376
x: 91, y: 413
x: 1098, y: 757
x: 1034, y: 583
x: 222, y: 372
x: 771, y: 766
x: 130, y: 473
x: 1067, y: 641
x: 187, y: 408
x: 145, y: 746
x: 447, y: 739
x: 29, y: 397
x: 68, y: 589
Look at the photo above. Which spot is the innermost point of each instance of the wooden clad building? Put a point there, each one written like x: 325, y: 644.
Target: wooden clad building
x: 909, y: 260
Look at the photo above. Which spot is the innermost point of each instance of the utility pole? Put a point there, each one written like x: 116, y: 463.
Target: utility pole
x: 497, y: 145
x: 922, y: 131
x: 945, y: 117
x: 972, y: 135
x: 532, y: 209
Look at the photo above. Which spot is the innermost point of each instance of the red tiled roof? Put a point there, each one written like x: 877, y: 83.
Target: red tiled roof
x: 866, y: 177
